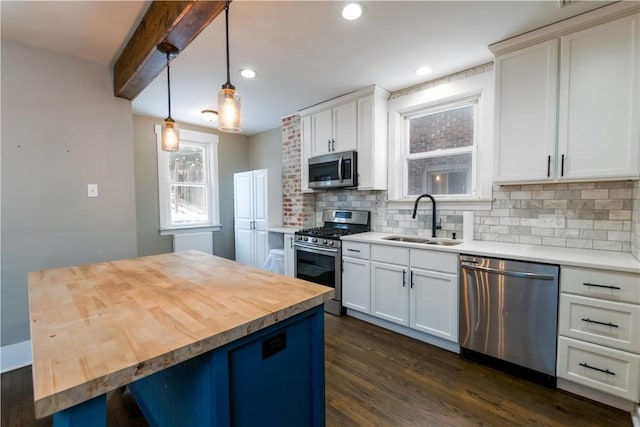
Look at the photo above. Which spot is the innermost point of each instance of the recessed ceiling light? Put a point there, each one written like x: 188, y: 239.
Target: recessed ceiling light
x: 210, y: 115
x: 352, y: 11
x: 422, y: 71
x: 247, y: 73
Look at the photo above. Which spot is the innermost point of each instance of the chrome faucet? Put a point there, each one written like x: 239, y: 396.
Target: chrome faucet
x: 433, y: 215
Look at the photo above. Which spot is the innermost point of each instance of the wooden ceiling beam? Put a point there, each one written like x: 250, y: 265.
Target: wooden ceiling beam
x: 174, y: 22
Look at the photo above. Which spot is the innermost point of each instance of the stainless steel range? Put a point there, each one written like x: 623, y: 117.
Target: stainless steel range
x: 318, y: 251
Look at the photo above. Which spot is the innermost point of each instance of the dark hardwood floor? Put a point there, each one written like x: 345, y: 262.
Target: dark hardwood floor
x: 376, y: 377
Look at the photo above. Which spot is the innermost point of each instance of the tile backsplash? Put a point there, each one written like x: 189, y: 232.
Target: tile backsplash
x: 591, y: 215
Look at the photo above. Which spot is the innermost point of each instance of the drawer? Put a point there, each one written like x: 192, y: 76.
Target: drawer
x: 435, y: 260
x: 613, y: 285
x: 356, y: 250
x: 609, y: 323
x: 612, y: 371
x: 390, y: 254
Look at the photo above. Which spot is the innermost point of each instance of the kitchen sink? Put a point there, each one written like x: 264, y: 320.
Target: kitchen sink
x: 426, y: 241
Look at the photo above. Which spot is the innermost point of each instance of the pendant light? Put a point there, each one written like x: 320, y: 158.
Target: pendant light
x: 170, y: 134
x: 229, y: 115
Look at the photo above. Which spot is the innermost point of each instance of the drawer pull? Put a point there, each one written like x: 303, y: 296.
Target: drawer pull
x: 353, y: 250
x: 601, y: 286
x: 605, y: 371
x: 600, y: 323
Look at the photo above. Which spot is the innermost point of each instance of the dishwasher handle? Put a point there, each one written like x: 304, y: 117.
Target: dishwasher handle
x: 521, y: 274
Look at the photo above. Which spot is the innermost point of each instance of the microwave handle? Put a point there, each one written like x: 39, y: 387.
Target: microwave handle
x: 340, y: 169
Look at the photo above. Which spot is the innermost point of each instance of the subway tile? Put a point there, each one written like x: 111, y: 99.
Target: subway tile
x: 501, y: 212
x: 538, y: 231
x: 600, y: 214
x: 555, y: 187
x: 607, y: 225
x: 593, y: 234
x: 606, y: 245
x: 566, y: 232
x: 619, y: 214
x: 619, y: 236
x: 490, y: 220
x: 508, y: 238
x: 581, y: 186
x: 608, y: 204
x: 580, y: 204
x: 612, y: 184
x: 529, y: 222
x: 595, y: 194
x: 554, y: 241
x: 522, y: 213
x: 500, y: 229
x: 509, y: 221
x: 544, y: 194
x: 555, y: 204
x: 580, y: 243
x: 620, y: 193
x: 531, y: 240
x: 531, y: 204
x: 586, y: 224
x: 489, y: 237
x: 568, y: 194
x: 523, y: 231
x: 520, y: 195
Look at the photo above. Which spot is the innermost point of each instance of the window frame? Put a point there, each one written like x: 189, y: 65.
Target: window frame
x: 407, y: 156
x: 210, y: 143
x: 436, y: 95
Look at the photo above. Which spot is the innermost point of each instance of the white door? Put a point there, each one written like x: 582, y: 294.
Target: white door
x: 434, y: 303
x: 322, y: 132
x: 598, y: 116
x: 390, y: 292
x: 345, y: 125
x: 526, y: 101
x: 356, y: 285
x: 260, y: 194
x: 243, y: 216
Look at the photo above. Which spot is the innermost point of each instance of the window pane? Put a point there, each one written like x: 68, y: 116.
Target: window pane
x: 440, y: 175
x: 442, y: 130
x: 189, y: 204
x: 187, y: 165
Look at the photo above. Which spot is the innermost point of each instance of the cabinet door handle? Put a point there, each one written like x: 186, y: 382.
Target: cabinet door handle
x: 411, y: 279
x: 353, y: 250
x: 328, y: 145
x: 562, y: 166
x: 291, y: 242
x: 600, y: 323
x: 600, y: 286
x: 548, y: 166
x: 333, y: 145
x: 404, y: 278
x: 606, y: 371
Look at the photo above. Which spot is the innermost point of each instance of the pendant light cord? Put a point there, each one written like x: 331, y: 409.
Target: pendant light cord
x: 169, y: 81
x: 226, y: 14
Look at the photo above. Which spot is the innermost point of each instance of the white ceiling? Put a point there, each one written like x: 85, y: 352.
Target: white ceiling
x: 303, y: 51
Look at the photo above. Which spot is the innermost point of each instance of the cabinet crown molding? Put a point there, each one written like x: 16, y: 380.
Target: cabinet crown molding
x: 567, y: 26
x: 343, y: 99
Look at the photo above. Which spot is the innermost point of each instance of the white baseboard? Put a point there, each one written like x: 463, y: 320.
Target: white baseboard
x: 15, y: 356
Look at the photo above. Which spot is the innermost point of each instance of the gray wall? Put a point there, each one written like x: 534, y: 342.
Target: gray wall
x: 265, y: 150
x: 233, y: 156
x: 62, y: 129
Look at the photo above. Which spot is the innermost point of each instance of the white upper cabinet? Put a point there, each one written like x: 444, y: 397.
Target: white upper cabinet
x: 599, y: 118
x: 356, y: 121
x: 567, y: 100
x: 526, y: 96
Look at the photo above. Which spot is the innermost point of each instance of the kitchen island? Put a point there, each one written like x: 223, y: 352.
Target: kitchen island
x: 198, y: 339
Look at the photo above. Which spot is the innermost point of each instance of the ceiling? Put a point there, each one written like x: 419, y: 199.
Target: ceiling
x: 303, y: 51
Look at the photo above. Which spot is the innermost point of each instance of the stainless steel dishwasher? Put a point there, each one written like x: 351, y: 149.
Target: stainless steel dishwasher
x: 509, y: 311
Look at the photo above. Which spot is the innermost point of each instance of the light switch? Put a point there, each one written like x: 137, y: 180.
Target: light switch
x: 92, y: 190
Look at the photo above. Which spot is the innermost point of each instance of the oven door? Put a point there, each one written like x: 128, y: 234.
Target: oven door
x: 322, y: 266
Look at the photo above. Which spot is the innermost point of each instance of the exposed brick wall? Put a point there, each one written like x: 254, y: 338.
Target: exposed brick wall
x: 298, y: 207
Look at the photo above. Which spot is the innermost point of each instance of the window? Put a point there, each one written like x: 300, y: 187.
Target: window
x: 188, y: 182
x: 439, y: 146
x: 441, y: 142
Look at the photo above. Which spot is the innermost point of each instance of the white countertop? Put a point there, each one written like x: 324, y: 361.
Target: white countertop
x: 285, y: 230
x: 619, y: 261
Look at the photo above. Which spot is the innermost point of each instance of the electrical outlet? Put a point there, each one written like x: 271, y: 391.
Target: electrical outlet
x: 551, y: 221
x: 92, y: 190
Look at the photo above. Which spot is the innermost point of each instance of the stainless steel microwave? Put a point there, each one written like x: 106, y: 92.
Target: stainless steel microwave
x: 334, y: 170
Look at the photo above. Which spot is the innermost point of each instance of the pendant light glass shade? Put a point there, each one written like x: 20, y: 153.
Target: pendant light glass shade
x: 170, y: 139
x: 229, y: 115
x: 170, y: 136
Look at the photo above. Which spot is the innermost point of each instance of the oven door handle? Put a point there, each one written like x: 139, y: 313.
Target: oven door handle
x: 310, y: 248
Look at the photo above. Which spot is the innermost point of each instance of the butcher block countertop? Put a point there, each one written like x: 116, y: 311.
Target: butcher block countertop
x: 97, y: 327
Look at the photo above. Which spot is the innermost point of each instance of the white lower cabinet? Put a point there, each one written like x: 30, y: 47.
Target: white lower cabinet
x: 289, y: 255
x: 599, y: 331
x: 434, y: 303
x: 389, y: 292
x: 416, y: 288
x: 356, y: 272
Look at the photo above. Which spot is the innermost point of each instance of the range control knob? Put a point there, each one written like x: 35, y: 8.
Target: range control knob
x: 324, y: 241
x: 331, y: 243
x: 314, y: 240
